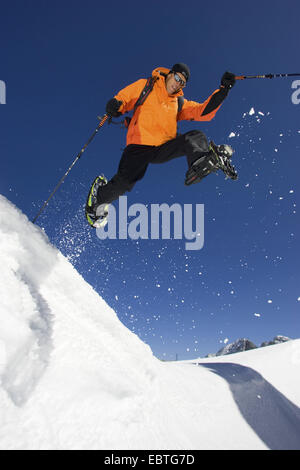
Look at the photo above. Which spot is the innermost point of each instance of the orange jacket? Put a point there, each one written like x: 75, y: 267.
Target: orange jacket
x: 155, y: 121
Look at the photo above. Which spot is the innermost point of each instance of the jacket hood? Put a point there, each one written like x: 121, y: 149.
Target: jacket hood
x: 160, y: 72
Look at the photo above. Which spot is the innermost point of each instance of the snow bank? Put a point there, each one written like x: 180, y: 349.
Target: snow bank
x: 73, y: 377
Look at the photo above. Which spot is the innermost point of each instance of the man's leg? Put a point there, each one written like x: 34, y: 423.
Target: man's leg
x: 135, y: 160
x: 202, y: 158
x: 132, y: 167
x: 193, y: 145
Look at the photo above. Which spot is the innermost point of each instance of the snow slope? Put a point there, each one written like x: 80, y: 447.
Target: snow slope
x: 74, y: 377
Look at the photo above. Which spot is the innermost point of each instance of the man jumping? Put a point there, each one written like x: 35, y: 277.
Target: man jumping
x: 158, y: 104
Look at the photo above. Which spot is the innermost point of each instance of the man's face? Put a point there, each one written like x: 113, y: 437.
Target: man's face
x: 172, y: 85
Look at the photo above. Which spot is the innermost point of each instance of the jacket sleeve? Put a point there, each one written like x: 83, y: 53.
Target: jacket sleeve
x: 130, y: 94
x: 193, y: 111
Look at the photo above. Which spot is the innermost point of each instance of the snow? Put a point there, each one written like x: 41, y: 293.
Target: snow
x: 74, y: 377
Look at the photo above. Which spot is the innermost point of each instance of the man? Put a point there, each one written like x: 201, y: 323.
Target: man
x: 158, y: 105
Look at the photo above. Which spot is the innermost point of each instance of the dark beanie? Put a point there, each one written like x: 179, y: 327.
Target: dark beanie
x: 182, y: 68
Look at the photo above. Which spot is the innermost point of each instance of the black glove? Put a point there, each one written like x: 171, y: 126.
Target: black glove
x: 228, y: 80
x: 112, y: 107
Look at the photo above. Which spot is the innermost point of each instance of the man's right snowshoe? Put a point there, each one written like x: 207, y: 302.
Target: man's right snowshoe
x: 218, y: 158
x: 96, y: 214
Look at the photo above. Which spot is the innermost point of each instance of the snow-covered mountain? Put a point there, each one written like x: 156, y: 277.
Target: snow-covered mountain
x: 74, y: 377
x: 244, y: 344
x: 239, y: 345
x: 276, y: 340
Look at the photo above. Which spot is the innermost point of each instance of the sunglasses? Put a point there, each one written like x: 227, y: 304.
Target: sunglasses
x: 179, y: 80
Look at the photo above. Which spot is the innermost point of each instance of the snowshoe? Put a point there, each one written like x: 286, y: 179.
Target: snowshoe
x: 223, y: 154
x: 95, y: 214
x: 218, y: 158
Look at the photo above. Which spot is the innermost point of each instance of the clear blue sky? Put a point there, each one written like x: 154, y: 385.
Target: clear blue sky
x: 62, y: 60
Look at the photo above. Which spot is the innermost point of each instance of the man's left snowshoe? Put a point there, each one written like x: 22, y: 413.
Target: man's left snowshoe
x: 96, y: 214
x: 223, y: 154
x: 218, y: 158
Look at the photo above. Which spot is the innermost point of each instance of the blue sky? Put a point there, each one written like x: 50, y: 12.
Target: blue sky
x: 62, y: 61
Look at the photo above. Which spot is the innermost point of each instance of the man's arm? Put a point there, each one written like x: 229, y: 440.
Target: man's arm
x: 125, y: 100
x: 194, y: 111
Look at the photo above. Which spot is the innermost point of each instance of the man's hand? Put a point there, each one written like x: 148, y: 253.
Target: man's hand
x: 112, y: 107
x: 228, y: 80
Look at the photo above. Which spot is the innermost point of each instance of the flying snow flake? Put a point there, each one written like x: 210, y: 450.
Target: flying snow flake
x: 225, y: 340
x: 291, y: 191
x: 251, y: 112
x: 259, y: 112
x: 232, y: 134
x: 257, y: 315
x: 270, y: 301
x: 298, y: 299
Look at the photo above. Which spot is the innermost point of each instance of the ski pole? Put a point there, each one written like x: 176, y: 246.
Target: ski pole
x: 102, y: 119
x: 269, y: 75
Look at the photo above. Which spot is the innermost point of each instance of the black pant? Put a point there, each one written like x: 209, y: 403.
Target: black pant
x: 136, y: 158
